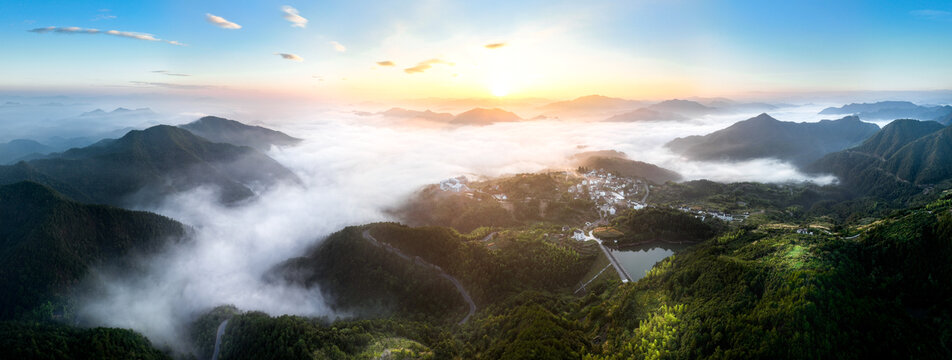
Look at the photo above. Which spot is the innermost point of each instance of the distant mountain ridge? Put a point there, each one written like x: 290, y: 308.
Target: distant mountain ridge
x: 766, y: 137
x: 17, y: 149
x: 645, y: 114
x: 145, y: 165
x: 683, y: 107
x: 413, y: 114
x: 483, y: 116
x: 223, y: 130
x: 591, y: 105
x: 888, y: 110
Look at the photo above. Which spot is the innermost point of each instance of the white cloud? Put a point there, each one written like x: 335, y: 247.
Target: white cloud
x: 932, y: 14
x: 221, y: 22
x: 291, y: 14
x: 426, y: 65
x: 338, y: 46
x: 169, y: 73
x: 291, y: 57
x: 125, y: 34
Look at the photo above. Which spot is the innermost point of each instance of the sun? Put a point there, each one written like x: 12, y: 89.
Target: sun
x: 499, y: 89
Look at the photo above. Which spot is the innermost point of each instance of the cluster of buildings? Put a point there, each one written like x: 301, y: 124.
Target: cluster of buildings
x: 704, y: 214
x: 457, y: 184
x: 610, y: 193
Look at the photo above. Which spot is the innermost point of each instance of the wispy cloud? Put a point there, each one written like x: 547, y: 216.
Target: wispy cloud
x: 494, y: 45
x: 169, y: 85
x: 125, y: 34
x: 291, y: 14
x: 385, y: 63
x: 932, y: 14
x: 221, y: 22
x: 166, y: 72
x: 291, y: 57
x: 426, y: 65
x: 338, y: 46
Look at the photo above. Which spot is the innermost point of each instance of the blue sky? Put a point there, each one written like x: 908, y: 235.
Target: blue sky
x: 650, y: 48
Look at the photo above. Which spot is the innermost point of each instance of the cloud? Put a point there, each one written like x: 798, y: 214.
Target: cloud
x: 221, y: 22
x: 103, y: 17
x: 494, y: 45
x: 125, y: 34
x: 385, y: 63
x: 291, y: 57
x: 426, y: 65
x: 166, y: 72
x: 338, y: 46
x: 291, y: 14
x: 169, y: 85
x: 932, y: 14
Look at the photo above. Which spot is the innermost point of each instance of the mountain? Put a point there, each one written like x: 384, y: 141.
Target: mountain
x: 683, y: 107
x: 618, y: 162
x: 643, y: 114
x: 591, y: 105
x: 927, y: 160
x: 947, y: 120
x: 16, y: 149
x: 730, y: 105
x: 482, y: 116
x: 222, y: 130
x: 119, y: 111
x: 887, y: 110
x: 145, y: 165
x: 48, y: 242
x: 896, y: 135
x: 401, y: 113
x: 766, y: 137
x: 893, y: 163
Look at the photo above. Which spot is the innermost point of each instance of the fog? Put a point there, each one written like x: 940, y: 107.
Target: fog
x: 352, y: 168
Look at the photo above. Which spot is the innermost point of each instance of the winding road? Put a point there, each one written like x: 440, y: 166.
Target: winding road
x: 420, y: 261
x: 221, y: 331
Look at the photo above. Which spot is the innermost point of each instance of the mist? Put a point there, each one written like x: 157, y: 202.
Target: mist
x: 352, y: 169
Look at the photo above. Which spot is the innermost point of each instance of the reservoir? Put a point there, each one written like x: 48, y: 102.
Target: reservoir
x: 638, y: 260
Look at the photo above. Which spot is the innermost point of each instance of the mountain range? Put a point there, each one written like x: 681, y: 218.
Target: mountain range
x: 591, y: 105
x: 888, y: 110
x: 482, y: 116
x: 222, y: 130
x: 145, y: 165
x: 645, y: 114
x: 902, y: 157
x: 766, y: 137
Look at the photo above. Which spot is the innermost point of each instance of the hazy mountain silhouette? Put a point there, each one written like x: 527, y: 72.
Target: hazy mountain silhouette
x: 683, y: 107
x: 414, y: 114
x: 233, y: 132
x: 766, y: 137
x: 644, y: 114
x: 482, y: 116
x: 17, y: 149
x: 886, y: 110
x: 591, y: 105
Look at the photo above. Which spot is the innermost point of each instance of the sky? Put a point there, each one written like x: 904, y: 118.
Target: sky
x: 379, y: 50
